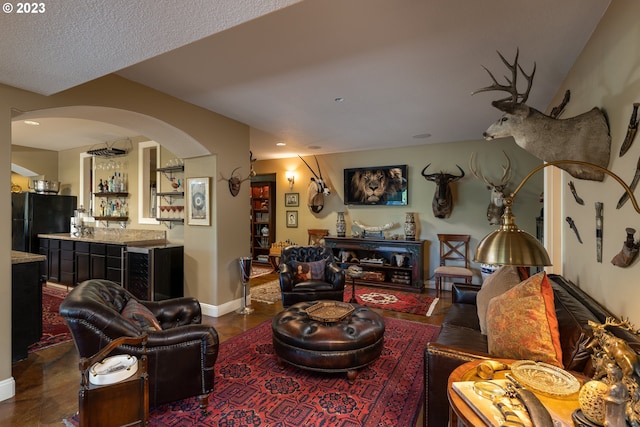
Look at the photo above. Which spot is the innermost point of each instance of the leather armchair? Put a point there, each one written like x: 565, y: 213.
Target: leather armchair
x: 180, y: 357
x: 330, y: 287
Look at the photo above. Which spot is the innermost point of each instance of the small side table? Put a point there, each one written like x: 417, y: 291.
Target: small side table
x: 122, y: 403
x: 353, y: 275
x: 461, y: 414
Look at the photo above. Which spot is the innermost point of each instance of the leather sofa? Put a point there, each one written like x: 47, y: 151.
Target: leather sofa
x: 460, y: 340
x: 180, y: 356
x: 329, y: 287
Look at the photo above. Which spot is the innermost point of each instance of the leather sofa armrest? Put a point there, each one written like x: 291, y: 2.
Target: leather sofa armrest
x: 463, y: 293
x: 439, y: 362
x: 175, y: 311
x: 286, y: 277
x: 182, y: 336
x: 334, y: 275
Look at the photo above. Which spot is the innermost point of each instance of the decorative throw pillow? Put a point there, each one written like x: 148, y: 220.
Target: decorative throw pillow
x: 304, y: 271
x: 522, y: 323
x: 495, y: 284
x: 141, y: 316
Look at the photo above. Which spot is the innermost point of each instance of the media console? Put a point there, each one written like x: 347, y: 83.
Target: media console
x: 395, y: 264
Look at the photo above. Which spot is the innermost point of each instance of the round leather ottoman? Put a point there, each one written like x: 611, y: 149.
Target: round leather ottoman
x: 342, y: 346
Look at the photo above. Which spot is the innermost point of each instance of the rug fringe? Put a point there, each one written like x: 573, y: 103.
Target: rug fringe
x: 432, y: 307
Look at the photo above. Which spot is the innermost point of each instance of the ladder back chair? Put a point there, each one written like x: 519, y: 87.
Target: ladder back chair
x: 454, y: 259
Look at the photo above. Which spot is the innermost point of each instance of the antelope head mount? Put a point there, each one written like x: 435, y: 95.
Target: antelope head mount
x: 317, y: 188
x: 584, y: 137
x: 442, y: 203
x: 496, y: 207
x: 235, y: 181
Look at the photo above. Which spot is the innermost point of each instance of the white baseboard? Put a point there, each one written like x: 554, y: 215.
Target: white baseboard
x: 7, y: 388
x: 221, y: 310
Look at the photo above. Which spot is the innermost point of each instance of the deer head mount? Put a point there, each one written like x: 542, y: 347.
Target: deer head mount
x: 235, y: 181
x: 584, y: 137
x: 442, y: 203
x: 317, y: 188
x: 496, y: 207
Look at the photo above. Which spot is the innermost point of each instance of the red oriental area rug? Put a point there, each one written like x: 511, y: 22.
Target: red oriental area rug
x: 54, y: 330
x: 250, y: 389
x: 394, y: 300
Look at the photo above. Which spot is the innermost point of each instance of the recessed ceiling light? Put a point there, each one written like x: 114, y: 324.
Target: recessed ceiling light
x: 422, y: 136
x: 339, y: 99
x: 281, y: 144
x: 31, y: 123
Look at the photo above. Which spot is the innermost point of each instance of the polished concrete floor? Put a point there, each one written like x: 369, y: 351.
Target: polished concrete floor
x: 47, y: 382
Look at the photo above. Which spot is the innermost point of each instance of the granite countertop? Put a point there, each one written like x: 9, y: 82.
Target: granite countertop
x: 18, y: 257
x: 115, y: 236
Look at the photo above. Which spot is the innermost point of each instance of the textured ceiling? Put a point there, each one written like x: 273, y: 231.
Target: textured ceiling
x: 403, y: 67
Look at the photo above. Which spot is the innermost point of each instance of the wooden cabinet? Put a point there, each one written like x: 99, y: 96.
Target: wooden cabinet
x: 26, y: 308
x: 397, y: 264
x: 67, y: 263
x: 263, y: 219
x: 155, y: 273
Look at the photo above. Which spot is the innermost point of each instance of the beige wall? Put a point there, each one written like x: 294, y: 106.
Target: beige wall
x: 606, y: 75
x: 201, y: 137
x: 471, y: 197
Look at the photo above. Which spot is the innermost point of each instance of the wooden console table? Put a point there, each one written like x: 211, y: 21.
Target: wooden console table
x: 409, y: 276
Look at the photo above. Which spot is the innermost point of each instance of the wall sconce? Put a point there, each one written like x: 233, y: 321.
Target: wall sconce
x: 511, y: 246
x: 291, y: 178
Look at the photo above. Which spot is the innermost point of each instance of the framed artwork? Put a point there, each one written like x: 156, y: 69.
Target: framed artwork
x: 291, y: 199
x: 378, y: 185
x: 292, y: 219
x: 198, y: 201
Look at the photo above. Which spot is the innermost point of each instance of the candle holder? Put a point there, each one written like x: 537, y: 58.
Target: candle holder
x: 245, y: 275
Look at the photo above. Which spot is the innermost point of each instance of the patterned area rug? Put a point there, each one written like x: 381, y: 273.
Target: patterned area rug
x: 54, y: 330
x: 257, y: 270
x: 251, y: 390
x: 387, y: 299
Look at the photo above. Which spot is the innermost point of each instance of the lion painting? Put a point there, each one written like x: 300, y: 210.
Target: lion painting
x: 374, y: 186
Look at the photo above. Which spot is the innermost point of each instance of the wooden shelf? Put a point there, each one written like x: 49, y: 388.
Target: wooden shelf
x: 112, y: 218
x: 263, y: 205
x: 111, y: 194
x: 408, y: 277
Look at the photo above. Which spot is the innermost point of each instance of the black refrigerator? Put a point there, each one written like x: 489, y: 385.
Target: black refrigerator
x: 33, y: 214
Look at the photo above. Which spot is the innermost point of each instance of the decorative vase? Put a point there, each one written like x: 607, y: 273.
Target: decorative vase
x: 410, y: 226
x: 341, y: 225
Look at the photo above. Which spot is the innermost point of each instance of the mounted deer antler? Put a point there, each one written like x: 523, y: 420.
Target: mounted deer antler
x: 317, y: 188
x: 515, y: 98
x: 496, y: 207
x: 584, y: 137
x: 235, y: 182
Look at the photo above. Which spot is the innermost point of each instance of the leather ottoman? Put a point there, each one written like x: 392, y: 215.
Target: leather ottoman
x: 341, y: 346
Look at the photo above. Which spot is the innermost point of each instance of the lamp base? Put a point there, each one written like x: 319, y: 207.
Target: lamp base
x: 245, y: 310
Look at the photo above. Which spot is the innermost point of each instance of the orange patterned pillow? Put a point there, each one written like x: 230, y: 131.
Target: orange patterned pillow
x: 522, y: 323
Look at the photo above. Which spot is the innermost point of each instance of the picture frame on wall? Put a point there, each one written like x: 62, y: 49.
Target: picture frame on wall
x: 292, y: 219
x: 199, y: 201
x: 291, y: 199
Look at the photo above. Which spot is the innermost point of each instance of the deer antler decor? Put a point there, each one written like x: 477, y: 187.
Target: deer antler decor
x: 235, y: 182
x: 584, y: 137
x: 496, y: 207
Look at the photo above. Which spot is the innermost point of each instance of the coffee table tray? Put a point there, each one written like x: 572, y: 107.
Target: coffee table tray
x: 329, y: 311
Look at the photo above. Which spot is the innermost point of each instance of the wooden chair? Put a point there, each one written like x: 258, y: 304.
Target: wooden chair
x: 454, y: 249
x: 317, y: 235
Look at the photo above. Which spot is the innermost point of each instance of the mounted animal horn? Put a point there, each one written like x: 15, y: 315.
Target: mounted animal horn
x: 317, y: 188
x: 496, y: 207
x: 235, y: 182
x: 584, y: 137
x: 442, y: 203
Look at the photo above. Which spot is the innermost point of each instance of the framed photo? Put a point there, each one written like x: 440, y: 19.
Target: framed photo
x: 198, y: 201
x: 291, y: 199
x: 377, y: 185
x: 292, y: 219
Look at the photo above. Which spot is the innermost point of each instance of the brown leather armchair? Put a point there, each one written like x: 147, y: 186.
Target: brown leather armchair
x: 180, y: 357
x: 329, y: 287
